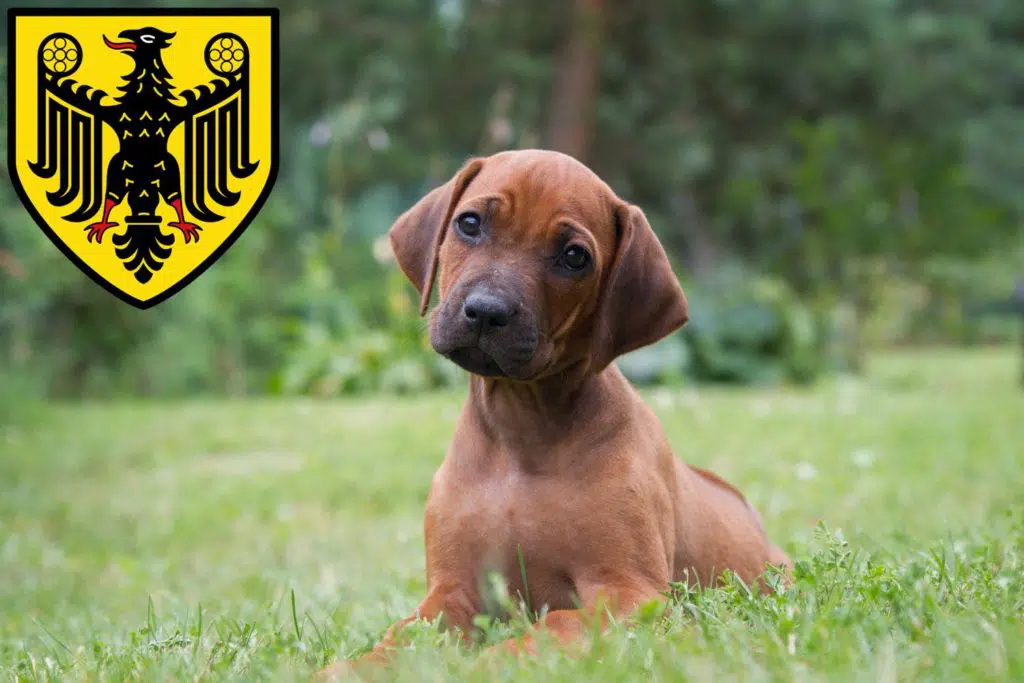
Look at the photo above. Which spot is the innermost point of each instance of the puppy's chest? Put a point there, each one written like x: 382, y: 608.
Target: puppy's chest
x: 519, y: 527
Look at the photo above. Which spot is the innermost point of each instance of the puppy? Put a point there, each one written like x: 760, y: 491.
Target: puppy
x: 557, y: 467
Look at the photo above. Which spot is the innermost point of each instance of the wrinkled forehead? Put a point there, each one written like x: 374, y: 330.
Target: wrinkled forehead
x: 541, y: 190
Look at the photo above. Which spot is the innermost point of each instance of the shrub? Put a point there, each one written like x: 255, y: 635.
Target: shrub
x: 751, y: 329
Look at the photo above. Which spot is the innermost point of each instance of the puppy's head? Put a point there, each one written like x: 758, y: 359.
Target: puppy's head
x: 540, y: 267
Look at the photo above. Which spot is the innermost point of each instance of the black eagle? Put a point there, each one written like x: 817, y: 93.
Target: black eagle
x: 215, y: 118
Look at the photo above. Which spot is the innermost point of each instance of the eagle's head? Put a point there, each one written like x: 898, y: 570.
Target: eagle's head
x: 141, y: 43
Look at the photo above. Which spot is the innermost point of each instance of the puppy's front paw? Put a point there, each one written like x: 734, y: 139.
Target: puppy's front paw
x: 352, y: 669
x: 339, y: 671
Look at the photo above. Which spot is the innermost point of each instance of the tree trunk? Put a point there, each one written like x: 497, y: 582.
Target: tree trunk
x: 576, y: 81
x: 698, y: 247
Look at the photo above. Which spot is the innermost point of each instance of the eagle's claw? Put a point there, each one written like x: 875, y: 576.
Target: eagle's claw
x: 188, y: 230
x: 96, y: 230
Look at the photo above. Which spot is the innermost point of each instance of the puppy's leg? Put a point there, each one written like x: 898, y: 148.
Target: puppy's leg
x: 568, y: 626
x: 450, y: 601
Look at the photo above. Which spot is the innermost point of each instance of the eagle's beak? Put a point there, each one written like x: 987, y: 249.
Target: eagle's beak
x: 128, y: 45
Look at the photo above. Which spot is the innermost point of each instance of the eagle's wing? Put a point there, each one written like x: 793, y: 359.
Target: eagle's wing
x: 70, y: 143
x: 216, y: 143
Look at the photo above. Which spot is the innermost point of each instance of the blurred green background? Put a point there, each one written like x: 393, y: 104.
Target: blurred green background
x: 829, y: 176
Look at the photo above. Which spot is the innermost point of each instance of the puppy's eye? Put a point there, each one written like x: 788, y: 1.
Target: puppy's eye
x: 468, y: 224
x: 575, y: 257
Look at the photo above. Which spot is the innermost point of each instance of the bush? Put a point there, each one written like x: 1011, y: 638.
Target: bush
x: 935, y: 302
x: 666, y: 362
x: 750, y: 329
x: 352, y: 357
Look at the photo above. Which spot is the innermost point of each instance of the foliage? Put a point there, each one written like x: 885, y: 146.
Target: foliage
x: 218, y: 333
x: 752, y: 330
x: 937, y: 302
x: 355, y: 358
x: 865, y: 153
x: 666, y: 362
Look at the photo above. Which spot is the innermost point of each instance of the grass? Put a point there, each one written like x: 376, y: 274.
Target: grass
x: 261, y: 539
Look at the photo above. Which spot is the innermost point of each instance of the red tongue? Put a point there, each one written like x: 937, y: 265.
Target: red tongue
x: 118, y: 46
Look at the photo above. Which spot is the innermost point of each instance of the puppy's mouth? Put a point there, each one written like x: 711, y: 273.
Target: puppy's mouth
x: 475, y: 360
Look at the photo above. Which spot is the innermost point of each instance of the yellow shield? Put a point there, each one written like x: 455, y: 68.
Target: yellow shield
x: 143, y: 143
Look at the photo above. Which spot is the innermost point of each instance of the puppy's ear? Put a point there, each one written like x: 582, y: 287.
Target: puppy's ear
x: 417, y: 235
x: 642, y: 301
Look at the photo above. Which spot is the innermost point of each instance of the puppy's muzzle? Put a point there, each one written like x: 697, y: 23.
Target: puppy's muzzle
x: 486, y: 332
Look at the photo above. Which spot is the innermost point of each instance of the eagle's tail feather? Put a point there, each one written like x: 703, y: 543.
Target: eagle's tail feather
x: 143, y: 250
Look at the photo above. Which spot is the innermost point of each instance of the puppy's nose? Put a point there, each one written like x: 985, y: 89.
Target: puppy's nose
x: 483, y: 310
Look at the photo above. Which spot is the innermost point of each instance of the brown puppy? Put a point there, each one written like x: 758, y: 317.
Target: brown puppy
x: 545, y: 277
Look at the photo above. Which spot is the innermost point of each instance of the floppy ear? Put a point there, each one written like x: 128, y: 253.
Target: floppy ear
x: 642, y: 301
x: 417, y: 235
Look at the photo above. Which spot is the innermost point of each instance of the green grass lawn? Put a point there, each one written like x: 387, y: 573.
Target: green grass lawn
x: 261, y: 539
